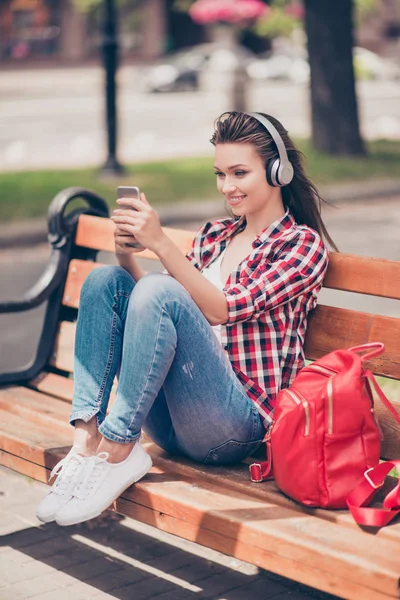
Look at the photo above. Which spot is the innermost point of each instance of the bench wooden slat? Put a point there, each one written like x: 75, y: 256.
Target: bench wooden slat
x: 78, y: 270
x: 311, y: 575
x: 53, y: 385
x: 261, y: 525
x: 279, y: 538
x: 63, y: 355
x: 330, y: 328
x: 390, y: 445
x: 36, y: 408
x: 98, y: 233
x: 19, y: 438
x: 236, y: 477
x: 363, y: 275
x: 349, y: 272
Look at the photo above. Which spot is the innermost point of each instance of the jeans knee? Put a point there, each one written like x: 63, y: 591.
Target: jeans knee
x: 157, y: 287
x: 103, y: 278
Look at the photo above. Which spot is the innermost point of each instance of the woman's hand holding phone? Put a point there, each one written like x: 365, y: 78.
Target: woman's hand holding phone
x: 126, y: 243
x: 135, y: 221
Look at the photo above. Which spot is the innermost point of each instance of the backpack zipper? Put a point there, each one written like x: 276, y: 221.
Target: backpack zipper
x: 306, y: 408
x: 329, y: 391
x: 323, y: 370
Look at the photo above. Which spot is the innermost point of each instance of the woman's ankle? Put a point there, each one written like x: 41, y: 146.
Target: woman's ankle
x: 117, y: 452
x: 87, y: 437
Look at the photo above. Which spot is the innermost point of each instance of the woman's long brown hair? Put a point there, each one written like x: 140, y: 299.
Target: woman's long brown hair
x: 301, y: 196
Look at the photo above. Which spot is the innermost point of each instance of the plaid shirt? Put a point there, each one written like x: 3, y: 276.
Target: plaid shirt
x: 268, y: 296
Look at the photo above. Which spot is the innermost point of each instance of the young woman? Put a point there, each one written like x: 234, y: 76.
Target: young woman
x: 201, y: 350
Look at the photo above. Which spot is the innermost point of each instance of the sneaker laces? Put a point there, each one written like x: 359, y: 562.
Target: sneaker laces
x: 66, y: 470
x: 92, y: 475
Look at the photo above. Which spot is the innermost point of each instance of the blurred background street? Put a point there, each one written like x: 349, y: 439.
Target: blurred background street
x: 54, y: 118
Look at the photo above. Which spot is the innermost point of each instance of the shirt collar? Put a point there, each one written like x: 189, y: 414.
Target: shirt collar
x: 277, y: 227
x: 271, y: 232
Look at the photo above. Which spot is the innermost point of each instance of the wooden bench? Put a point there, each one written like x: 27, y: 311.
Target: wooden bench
x: 214, y: 506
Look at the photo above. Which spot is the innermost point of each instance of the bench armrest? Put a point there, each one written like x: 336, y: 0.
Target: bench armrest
x: 49, y: 281
x: 50, y: 286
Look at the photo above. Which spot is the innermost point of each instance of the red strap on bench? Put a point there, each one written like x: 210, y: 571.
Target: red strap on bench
x: 364, y: 493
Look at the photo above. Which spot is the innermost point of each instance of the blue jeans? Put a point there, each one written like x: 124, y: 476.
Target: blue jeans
x: 174, y: 379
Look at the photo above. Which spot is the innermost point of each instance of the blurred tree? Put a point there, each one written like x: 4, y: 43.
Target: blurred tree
x: 335, y: 124
x: 329, y: 29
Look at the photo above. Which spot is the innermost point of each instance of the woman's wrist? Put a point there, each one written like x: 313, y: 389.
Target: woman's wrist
x: 130, y: 264
x: 126, y: 260
x: 161, y: 246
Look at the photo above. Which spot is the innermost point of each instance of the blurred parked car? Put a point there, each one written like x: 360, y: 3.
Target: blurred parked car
x: 287, y: 65
x: 181, y: 70
x: 293, y: 65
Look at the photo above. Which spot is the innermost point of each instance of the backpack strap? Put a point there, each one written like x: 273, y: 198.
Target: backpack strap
x: 374, y: 479
x: 385, y: 401
x: 363, y: 494
x: 262, y: 471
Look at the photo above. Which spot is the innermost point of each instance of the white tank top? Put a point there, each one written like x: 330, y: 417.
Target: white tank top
x: 213, y: 274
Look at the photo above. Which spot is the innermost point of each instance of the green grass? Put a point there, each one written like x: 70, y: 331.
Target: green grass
x: 25, y: 195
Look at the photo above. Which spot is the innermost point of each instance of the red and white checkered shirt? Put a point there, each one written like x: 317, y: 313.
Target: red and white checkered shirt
x: 268, y: 296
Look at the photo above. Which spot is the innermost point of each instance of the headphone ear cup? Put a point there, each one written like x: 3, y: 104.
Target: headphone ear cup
x: 285, y: 174
x: 272, y: 171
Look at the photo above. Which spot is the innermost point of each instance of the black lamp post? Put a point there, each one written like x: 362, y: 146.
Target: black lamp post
x: 110, y: 58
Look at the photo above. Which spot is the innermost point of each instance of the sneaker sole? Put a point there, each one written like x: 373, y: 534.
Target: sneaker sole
x: 96, y: 513
x: 44, y: 519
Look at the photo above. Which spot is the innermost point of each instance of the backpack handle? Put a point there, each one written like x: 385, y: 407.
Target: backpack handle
x: 376, y: 348
x: 385, y: 401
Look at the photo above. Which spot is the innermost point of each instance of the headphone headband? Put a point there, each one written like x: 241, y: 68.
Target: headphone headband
x: 283, y: 172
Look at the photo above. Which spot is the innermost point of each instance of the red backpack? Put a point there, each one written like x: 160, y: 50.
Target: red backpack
x: 324, y: 444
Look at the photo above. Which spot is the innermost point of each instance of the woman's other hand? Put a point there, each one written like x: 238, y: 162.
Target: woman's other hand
x: 142, y: 223
x: 121, y: 241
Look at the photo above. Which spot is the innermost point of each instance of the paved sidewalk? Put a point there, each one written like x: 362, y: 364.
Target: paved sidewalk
x: 114, y: 557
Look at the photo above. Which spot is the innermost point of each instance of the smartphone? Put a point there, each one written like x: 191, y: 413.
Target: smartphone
x: 129, y: 191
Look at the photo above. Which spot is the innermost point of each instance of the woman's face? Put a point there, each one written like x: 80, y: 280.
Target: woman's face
x: 241, y: 178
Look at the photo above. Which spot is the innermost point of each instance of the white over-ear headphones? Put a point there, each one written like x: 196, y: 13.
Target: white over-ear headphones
x: 279, y: 170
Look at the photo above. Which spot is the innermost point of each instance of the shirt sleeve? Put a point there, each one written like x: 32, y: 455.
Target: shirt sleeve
x: 194, y: 254
x: 299, y: 268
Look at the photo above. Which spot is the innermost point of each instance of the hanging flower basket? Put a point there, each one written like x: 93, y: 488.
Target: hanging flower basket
x: 227, y: 11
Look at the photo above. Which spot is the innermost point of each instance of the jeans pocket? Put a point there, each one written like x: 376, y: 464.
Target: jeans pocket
x: 231, y: 452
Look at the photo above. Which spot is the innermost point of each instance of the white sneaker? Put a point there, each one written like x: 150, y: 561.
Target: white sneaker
x: 68, y: 472
x: 103, y: 482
